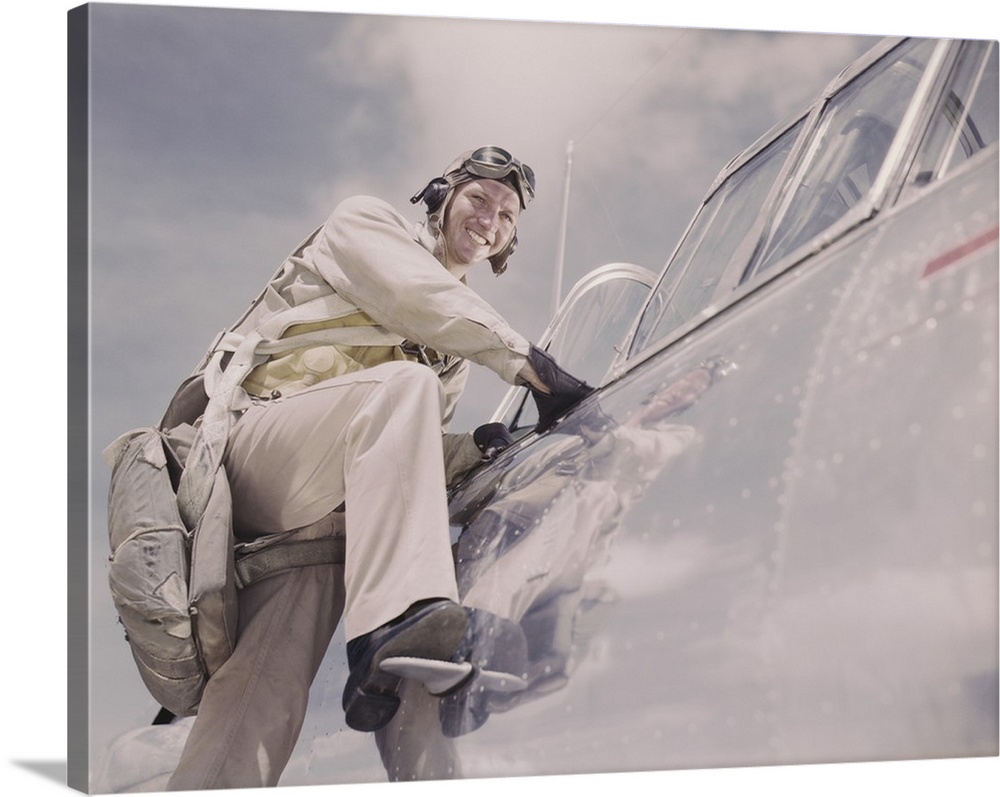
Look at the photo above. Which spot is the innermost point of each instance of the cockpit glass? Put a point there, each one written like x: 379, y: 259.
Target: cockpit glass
x: 965, y: 120
x: 587, y: 339
x: 849, y: 148
x: 720, y: 234
x: 587, y: 335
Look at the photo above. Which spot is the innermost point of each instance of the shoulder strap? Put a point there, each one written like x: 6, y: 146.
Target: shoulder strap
x: 210, y: 441
x: 248, y: 343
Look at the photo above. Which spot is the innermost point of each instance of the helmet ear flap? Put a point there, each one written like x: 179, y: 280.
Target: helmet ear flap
x: 498, y: 262
x: 433, y: 194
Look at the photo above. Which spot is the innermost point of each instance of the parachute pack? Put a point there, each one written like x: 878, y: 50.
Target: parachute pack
x: 176, y: 588
x: 175, y: 566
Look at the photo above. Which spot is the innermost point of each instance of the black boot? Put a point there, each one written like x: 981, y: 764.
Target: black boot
x: 428, y: 630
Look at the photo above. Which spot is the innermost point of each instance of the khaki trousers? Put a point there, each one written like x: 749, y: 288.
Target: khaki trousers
x: 371, y: 440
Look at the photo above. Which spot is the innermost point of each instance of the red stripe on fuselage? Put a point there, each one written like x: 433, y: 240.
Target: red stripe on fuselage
x: 956, y: 254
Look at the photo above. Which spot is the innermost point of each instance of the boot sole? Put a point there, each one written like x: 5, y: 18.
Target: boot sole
x: 371, y: 699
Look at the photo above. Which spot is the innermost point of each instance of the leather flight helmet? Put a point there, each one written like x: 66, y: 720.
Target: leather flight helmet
x: 492, y: 163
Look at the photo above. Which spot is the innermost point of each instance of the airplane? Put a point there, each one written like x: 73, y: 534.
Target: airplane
x: 770, y: 534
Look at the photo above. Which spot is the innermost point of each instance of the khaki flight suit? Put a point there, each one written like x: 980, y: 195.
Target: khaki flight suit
x: 332, y: 423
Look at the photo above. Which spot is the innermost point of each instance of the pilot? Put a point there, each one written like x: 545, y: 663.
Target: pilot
x: 371, y: 327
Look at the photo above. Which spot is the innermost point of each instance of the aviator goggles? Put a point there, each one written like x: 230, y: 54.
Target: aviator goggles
x: 496, y: 163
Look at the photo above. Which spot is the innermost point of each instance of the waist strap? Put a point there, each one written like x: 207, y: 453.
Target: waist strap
x: 256, y: 565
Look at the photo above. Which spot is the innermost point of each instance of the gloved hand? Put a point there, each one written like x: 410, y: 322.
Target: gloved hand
x: 564, y: 390
x: 492, y: 438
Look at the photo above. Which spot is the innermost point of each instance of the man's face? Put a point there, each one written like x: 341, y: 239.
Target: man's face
x: 479, y: 221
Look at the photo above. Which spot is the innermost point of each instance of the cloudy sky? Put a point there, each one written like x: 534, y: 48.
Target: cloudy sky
x: 221, y: 137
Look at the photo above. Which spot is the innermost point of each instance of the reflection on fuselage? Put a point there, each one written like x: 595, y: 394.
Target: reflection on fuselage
x: 534, y: 555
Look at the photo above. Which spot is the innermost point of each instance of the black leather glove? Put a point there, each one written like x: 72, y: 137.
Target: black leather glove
x: 492, y: 438
x: 565, y: 390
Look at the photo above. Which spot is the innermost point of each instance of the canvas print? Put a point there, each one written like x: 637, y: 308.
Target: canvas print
x: 482, y: 398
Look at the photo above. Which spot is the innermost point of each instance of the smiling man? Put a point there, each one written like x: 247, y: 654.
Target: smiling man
x: 483, y: 215
x: 327, y: 409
